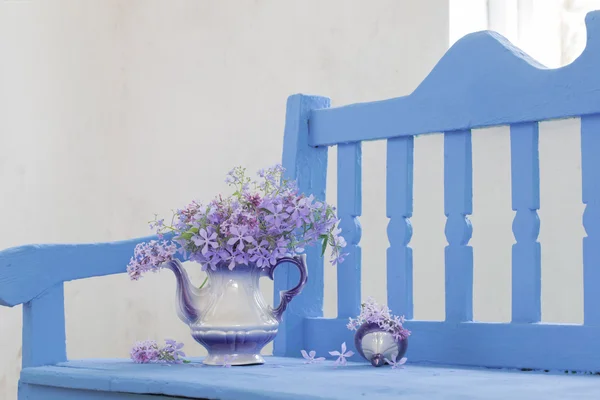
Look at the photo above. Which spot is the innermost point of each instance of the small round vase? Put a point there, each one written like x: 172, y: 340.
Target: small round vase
x: 375, y: 345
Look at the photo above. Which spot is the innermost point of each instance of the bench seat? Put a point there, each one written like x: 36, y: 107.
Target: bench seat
x: 289, y: 378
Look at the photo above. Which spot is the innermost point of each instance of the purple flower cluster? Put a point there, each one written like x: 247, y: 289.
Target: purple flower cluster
x: 148, y: 256
x: 263, y: 221
x: 148, y: 351
x: 145, y: 352
x: 371, y: 312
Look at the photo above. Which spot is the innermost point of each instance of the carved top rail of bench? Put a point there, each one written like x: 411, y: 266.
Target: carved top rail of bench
x: 27, y: 271
x: 483, y: 80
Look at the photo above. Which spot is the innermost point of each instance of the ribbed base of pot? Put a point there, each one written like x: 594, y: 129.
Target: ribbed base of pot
x: 242, y: 347
x: 233, y: 359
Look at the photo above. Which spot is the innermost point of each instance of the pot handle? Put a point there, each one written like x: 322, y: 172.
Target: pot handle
x: 287, y: 295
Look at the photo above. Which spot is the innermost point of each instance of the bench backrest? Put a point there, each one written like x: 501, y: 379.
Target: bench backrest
x: 481, y: 81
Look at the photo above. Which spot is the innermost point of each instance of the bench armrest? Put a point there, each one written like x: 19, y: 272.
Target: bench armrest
x: 33, y: 275
x: 28, y: 271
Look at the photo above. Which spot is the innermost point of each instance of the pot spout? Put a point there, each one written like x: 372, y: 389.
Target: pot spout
x: 188, y: 296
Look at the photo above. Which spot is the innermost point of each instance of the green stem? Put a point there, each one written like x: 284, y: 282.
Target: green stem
x: 165, y: 226
x: 203, y: 283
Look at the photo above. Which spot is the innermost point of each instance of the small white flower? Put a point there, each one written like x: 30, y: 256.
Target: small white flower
x: 341, y: 360
x: 227, y: 361
x: 398, y: 364
x: 310, y: 357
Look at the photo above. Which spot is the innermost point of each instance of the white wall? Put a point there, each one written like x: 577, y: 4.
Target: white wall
x: 60, y: 108
x: 551, y: 31
x: 113, y: 110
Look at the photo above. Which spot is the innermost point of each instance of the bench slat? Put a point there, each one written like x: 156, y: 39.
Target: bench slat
x: 496, y: 345
x: 526, y: 253
x: 590, y: 171
x: 349, y: 209
x: 291, y: 379
x: 399, y: 208
x: 458, y: 204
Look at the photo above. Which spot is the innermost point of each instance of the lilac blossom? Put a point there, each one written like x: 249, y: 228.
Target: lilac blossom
x: 396, y: 364
x: 261, y: 222
x: 157, y: 223
x: 277, y: 216
x: 148, y: 351
x: 310, y: 357
x: 239, y: 236
x: 149, y: 256
x: 145, y: 352
x: 227, y: 359
x: 341, y: 356
x: 171, y: 353
x: 296, y: 210
x: 371, y: 312
x: 205, y: 240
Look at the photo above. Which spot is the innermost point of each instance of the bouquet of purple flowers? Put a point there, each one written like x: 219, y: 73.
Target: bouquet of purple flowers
x: 373, y: 313
x: 262, y: 221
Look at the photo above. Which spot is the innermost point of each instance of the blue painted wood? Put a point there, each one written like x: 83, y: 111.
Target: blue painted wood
x: 291, y: 379
x: 349, y: 209
x: 27, y: 271
x: 458, y: 203
x: 590, y: 169
x: 497, y: 345
x: 399, y: 207
x: 526, y: 252
x: 35, y: 392
x: 308, y: 165
x: 483, y: 80
x: 44, y: 339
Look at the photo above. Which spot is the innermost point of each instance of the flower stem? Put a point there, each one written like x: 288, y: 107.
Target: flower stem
x: 203, y: 283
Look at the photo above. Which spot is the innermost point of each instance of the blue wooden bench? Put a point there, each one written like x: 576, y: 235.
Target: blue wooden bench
x: 482, y: 81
